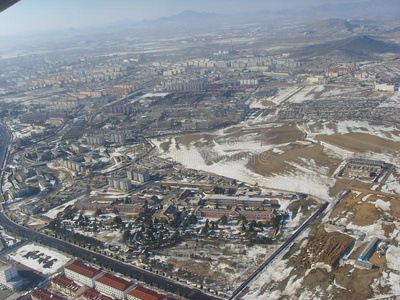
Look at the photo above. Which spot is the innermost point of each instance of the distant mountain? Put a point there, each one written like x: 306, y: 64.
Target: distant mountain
x: 360, y: 47
x: 189, y: 19
x: 332, y: 26
x: 376, y: 9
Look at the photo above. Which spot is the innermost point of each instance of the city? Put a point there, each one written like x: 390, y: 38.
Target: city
x: 203, y: 156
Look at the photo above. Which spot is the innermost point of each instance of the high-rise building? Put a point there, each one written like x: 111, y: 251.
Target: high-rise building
x: 141, y: 176
x: 9, y: 277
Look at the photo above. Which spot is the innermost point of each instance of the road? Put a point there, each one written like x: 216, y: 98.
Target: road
x: 241, y: 288
x: 4, y: 145
x: 87, y: 255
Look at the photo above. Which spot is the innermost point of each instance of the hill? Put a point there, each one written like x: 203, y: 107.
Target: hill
x: 331, y: 26
x: 359, y: 47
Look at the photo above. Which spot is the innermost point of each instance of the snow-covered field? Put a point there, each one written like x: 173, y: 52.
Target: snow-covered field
x: 40, y: 258
x: 229, y: 158
x: 392, y: 185
x: 346, y: 127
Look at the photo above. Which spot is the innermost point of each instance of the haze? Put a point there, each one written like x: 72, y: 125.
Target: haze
x: 28, y: 16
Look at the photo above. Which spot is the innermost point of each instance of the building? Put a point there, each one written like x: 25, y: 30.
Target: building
x: 141, y: 293
x: 385, y: 87
x: 96, y: 140
x: 113, y: 286
x: 240, y: 201
x: 120, y: 184
x: 369, y: 250
x: 9, y: 277
x: 29, y: 209
x: 67, y: 286
x: 141, y: 176
x: 92, y: 294
x: 42, y: 294
x: 134, y: 209
x: 118, y: 138
x: 364, y: 167
x: 265, y: 215
x: 82, y: 273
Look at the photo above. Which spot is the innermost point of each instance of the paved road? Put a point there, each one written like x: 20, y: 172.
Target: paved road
x: 241, y: 288
x: 4, y: 144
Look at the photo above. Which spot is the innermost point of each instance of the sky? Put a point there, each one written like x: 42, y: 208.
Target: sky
x: 38, y: 15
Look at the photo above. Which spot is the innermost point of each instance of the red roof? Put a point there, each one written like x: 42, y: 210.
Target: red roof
x: 83, y: 269
x: 65, y: 283
x: 143, y: 293
x: 114, y: 282
x: 92, y: 294
x: 43, y: 294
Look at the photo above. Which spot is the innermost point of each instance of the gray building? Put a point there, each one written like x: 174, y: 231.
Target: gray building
x: 141, y: 176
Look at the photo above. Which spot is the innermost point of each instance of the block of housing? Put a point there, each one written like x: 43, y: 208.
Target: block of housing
x: 364, y: 168
x: 96, y: 140
x: 43, y: 294
x: 113, y: 286
x: 120, y: 184
x: 9, y: 277
x: 82, y: 273
x: 137, y: 175
x: 92, y: 294
x: 236, y: 213
x: 141, y: 293
x: 66, y: 285
x: 134, y: 209
x: 240, y: 201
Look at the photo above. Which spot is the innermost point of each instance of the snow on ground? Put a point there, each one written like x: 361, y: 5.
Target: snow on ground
x: 394, y: 101
x: 53, y: 212
x: 393, y: 257
x: 390, y: 280
x: 346, y: 127
x: 230, y: 160
x: 306, y: 93
x: 40, y: 258
x: 392, y: 185
x: 277, y: 272
x: 373, y: 230
x: 284, y: 94
x: 8, y: 239
x: 365, y: 198
x: 293, y: 223
x: 383, y: 205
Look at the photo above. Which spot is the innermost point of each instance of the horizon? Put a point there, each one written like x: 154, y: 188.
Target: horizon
x: 49, y: 15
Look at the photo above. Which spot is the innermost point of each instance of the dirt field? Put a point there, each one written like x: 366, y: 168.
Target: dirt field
x: 361, y: 142
x: 278, y: 163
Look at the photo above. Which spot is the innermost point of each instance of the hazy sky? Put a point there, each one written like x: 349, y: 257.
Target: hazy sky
x: 30, y: 15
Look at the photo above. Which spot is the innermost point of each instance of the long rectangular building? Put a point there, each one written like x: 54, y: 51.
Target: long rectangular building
x: 240, y: 201
x: 82, y: 273
x: 265, y: 215
x: 113, y: 286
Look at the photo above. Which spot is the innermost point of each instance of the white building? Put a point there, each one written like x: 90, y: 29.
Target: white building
x: 120, y: 184
x: 113, y: 286
x: 82, y: 273
x: 385, y: 87
x: 9, y: 277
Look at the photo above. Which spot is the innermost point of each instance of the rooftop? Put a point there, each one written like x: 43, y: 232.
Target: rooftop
x: 143, y: 293
x: 83, y: 269
x: 114, y: 282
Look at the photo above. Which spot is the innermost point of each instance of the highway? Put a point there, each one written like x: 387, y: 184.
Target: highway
x: 85, y: 254
x: 241, y: 288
